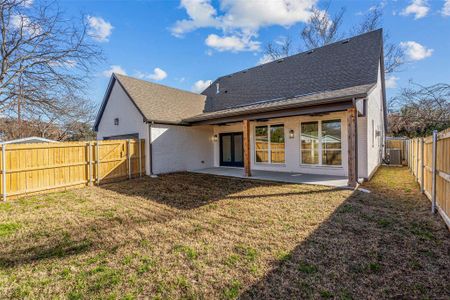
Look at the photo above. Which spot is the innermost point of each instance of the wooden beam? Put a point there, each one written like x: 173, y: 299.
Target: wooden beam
x: 246, y: 130
x: 352, y: 151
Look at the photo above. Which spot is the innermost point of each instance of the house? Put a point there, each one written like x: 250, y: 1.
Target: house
x: 318, y: 112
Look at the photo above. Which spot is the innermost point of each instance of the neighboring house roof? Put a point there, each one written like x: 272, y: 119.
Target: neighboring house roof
x: 29, y: 140
x: 344, y: 64
x: 156, y: 102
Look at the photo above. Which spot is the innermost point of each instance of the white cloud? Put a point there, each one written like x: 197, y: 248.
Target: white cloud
x: 231, y: 43
x: 24, y: 22
x: 70, y: 63
x: 391, y: 82
x: 99, y: 29
x: 114, y: 69
x: 157, y: 75
x: 27, y: 3
x: 240, y: 20
x: 201, y: 14
x: 446, y: 9
x: 418, y: 8
x: 265, y: 59
x: 415, y: 51
x: 200, y: 85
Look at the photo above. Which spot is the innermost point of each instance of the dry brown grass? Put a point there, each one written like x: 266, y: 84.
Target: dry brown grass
x: 198, y: 236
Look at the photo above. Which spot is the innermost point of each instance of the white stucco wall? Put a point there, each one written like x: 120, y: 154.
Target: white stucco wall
x: 375, y: 115
x: 130, y: 119
x: 181, y: 148
x: 292, y: 146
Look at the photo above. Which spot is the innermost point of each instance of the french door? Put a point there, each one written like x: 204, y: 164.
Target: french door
x: 231, y: 149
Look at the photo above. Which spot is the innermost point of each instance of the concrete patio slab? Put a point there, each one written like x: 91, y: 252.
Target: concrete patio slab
x: 302, y: 178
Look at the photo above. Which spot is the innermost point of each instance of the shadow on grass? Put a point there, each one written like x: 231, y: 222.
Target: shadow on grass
x: 60, y: 249
x: 379, y: 245
x: 188, y: 190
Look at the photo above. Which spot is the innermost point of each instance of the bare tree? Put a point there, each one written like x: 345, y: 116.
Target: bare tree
x: 393, y: 53
x: 322, y: 29
x: 419, y: 109
x: 281, y: 48
x: 46, y: 60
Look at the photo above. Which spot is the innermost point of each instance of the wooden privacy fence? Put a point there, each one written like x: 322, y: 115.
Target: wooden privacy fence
x: 401, y: 145
x: 33, y: 168
x: 429, y: 161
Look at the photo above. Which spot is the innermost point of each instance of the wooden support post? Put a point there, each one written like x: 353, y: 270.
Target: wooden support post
x: 129, y: 158
x: 4, y: 172
x: 140, y: 158
x: 433, y: 172
x: 246, y: 131
x: 351, y: 132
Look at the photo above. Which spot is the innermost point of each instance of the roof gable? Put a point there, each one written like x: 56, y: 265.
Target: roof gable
x: 156, y: 102
x: 341, y: 65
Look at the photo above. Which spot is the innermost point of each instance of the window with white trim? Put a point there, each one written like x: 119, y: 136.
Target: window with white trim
x: 320, y: 143
x: 269, y: 144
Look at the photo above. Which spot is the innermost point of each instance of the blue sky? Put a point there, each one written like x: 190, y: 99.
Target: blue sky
x: 186, y: 43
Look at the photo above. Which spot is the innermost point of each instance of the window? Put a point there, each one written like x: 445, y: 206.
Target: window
x: 320, y: 143
x: 269, y: 144
x: 331, y: 143
x: 310, y: 143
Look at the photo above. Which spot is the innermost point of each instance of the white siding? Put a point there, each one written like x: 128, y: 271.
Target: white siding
x: 375, y: 115
x: 181, y: 148
x: 130, y: 119
x: 292, y: 146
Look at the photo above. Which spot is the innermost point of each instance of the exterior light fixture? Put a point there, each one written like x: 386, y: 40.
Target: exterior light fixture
x: 291, y: 133
x: 116, y: 121
x: 215, y: 138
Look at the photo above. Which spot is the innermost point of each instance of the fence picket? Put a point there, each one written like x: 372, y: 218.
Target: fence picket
x: 44, y: 167
x: 434, y: 174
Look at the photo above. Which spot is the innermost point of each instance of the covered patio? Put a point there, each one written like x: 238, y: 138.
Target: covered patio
x: 289, y: 177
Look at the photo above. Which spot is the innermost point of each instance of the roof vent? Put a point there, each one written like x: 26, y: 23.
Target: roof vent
x: 280, y: 60
x: 225, y: 92
x: 346, y: 41
x: 245, y: 71
x: 229, y: 76
x: 310, y: 51
x: 217, y: 88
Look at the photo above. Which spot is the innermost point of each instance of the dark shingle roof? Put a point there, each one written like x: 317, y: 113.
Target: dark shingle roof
x: 344, y: 64
x: 310, y: 99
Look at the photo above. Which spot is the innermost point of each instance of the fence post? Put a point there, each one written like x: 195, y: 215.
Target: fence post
x: 4, y: 171
x: 129, y: 158
x: 90, y: 162
x: 422, y: 166
x: 417, y: 159
x: 97, y: 160
x: 433, y: 173
x: 140, y: 159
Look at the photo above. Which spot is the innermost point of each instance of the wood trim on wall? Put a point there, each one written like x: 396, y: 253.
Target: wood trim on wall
x: 352, y: 155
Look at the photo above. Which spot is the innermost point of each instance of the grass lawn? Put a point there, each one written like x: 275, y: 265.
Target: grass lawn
x: 198, y: 236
